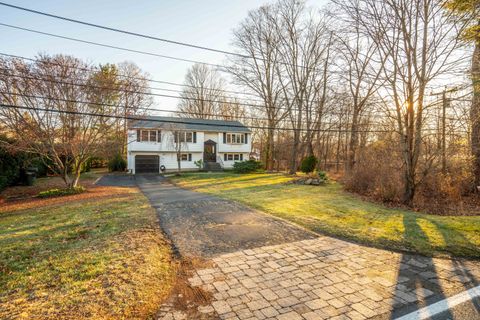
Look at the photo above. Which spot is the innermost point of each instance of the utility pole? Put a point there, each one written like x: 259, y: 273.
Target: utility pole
x: 443, y: 124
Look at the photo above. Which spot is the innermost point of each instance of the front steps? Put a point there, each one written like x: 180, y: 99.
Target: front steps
x: 212, y: 166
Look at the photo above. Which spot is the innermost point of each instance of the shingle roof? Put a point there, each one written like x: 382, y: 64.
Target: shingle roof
x: 174, y: 123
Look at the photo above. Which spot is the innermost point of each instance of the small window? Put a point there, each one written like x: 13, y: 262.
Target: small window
x: 230, y: 157
x: 189, y: 136
x: 186, y: 157
x: 236, y: 157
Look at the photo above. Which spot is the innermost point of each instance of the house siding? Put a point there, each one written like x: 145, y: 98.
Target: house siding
x: 165, y: 149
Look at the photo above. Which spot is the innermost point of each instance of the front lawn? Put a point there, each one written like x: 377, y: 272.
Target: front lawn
x: 330, y: 210
x: 95, y: 255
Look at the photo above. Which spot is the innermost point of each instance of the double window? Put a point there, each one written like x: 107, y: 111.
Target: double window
x: 235, y: 138
x: 149, y: 136
x: 186, y: 157
x: 183, y: 136
x: 233, y: 157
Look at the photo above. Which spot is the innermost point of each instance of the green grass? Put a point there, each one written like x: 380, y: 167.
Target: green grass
x: 330, y: 210
x: 96, y: 258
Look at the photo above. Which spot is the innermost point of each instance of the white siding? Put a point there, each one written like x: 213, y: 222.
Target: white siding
x: 167, y: 143
x: 211, y: 136
x: 167, y: 159
x: 233, y: 147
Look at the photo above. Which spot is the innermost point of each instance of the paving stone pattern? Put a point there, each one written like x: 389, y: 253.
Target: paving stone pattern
x: 325, y: 278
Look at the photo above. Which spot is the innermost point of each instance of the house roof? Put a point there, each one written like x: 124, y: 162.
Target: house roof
x: 175, y: 123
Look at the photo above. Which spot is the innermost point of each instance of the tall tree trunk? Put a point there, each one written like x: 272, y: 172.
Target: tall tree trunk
x: 353, y: 143
x: 475, y: 113
x: 294, y: 153
x: 269, y: 149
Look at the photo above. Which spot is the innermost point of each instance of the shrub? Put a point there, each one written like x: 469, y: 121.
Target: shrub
x: 61, y: 192
x: 322, y: 176
x: 246, y: 166
x: 3, y: 182
x: 199, y: 163
x: 11, y: 164
x: 308, y: 164
x: 117, y: 163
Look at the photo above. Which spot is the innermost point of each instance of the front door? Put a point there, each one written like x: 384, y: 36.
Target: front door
x: 209, y: 151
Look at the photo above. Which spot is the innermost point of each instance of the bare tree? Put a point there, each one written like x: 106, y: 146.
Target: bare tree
x: 417, y: 42
x: 258, y: 40
x: 361, y: 66
x: 202, y: 94
x: 61, y: 119
x: 133, y: 84
x: 305, y: 47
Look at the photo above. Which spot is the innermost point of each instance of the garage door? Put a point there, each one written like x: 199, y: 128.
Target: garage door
x: 147, y: 164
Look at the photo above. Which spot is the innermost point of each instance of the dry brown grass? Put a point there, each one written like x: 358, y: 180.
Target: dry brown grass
x: 97, y: 255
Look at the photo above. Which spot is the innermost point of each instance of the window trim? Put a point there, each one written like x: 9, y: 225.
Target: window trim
x: 188, y: 157
x: 233, y: 157
x: 235, y: 138
x: 149, y: 133
x: 182, y: 136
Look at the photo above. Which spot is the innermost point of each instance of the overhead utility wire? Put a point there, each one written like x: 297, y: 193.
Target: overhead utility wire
x: 96, y: 69
x: 131, y: 33
x: 162, y: 95
x: 137, y: 118
x: 112, y: 47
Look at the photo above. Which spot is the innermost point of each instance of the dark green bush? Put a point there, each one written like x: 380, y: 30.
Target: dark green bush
x: 117, y: 163
x: 3, y: 182
x: 308, y: 164
x: 11, y: 165
x: 322, y: 175
x: 61, y: 192
x: 246, y: 166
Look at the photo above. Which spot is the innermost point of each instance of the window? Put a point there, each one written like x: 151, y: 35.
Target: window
x: 182, y: 136
x: 186, y: 157
x: 233, y: 157
x: 235, y: 138
x: 189, y: 136
x: 148, y: 135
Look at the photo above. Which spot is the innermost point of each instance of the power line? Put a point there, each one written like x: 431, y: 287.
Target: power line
x: 233, y: 117
x: 150, y: 37
x: 136, y: 118
x: 95, y: 69
x: 137, y: 108
x: 131, y: 91
x: 113, y: 47
x: 136, y: 34
x: 162, y: 95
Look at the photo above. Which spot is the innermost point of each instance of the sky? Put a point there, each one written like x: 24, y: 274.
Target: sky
x: 207, y: 23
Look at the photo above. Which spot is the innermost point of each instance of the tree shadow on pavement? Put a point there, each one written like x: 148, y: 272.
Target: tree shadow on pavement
x: 417, y: 280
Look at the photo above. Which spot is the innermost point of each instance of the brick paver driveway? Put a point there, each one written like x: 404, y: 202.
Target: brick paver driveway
x: 264, y: 268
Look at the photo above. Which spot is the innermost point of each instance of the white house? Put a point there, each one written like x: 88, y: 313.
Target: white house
x: 155, y: 142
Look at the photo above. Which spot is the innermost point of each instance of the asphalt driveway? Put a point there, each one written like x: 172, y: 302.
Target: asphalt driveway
x: 206, y: 226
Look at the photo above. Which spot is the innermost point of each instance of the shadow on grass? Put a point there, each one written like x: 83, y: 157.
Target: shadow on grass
x: 204, y: 179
